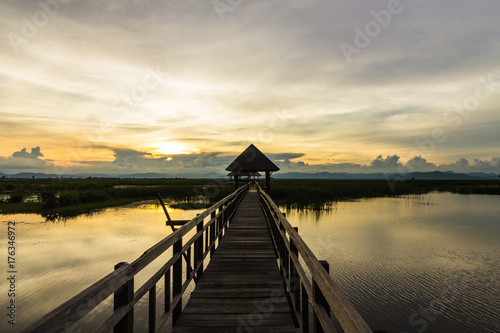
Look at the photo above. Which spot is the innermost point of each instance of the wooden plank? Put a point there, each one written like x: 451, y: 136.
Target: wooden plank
x: 220, y: 329
x: 241, y: 287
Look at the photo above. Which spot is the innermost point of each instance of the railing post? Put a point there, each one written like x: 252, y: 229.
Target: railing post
x: 294, y: 276
x: 152, y: 309
x: 282, y: 246
x: 188, y: 263
x: 304, y: 309
x: 207, y: 243
x: 122, y: 297
x: 287, y: 260
x: 212, y: 234
x: 167, y: 291
x: 198, y: 251
x: 220, y: 226
x: 320, y: 299
x: 177, y: 281
x: 223, y: 218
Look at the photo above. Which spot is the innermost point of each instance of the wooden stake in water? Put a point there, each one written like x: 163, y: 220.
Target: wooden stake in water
x: 171, y: 224
x: 169, y: 220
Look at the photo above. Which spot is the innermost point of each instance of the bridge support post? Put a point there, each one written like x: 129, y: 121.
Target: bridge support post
x: 122, y: 297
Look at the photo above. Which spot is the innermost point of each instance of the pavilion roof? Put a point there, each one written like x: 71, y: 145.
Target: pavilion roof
x: 252, y: 159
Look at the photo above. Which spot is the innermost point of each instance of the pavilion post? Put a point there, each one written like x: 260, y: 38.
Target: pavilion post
x: 268, y: 182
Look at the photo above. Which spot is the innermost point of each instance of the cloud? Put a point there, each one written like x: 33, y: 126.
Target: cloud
x: 389, y: 163
x: 35, y: 153
x: 67, y: 79
x: 134, y: 160
x: 418, y: 163
x: 24, y: 161
x: 285, y: 156
x: 393, y: 163
x: 462, y: 163
x: 137, y: 161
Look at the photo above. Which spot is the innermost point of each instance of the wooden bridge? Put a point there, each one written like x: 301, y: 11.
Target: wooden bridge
x: 261, y: 277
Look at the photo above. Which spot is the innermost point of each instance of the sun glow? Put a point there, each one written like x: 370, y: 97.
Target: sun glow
x: 171, y: 147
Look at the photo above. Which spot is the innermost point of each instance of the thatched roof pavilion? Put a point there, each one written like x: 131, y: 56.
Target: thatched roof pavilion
x: 252, y: 160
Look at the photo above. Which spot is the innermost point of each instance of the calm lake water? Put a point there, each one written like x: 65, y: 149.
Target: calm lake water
x: 412, y: 264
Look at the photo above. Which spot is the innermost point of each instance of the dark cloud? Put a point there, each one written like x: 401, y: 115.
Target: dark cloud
x: 419, y: 163
x: 389, y: 163
x: 285, y: 156
x: 137, y: 160
x: 35, y: 153
x: 133, y: 159
x: 130, y: 160
x: 393, y: 163
x: 287, y: 165
x: 24, y: 161
x: 486, y: 165
x: 462, y: 162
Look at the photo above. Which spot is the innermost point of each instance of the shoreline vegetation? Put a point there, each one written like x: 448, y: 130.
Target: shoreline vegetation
x: 71, y: 197
x: 314, y: 194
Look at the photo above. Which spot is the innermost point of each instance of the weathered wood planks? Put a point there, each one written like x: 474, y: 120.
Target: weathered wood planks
x: 241, y: 290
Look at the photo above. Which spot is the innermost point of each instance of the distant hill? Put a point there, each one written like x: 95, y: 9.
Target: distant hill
x: 449, y: 175
x: 328, y: 175
x: 148, y: 175
x: 436, y: 175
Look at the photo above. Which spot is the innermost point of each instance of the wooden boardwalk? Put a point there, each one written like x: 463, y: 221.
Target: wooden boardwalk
x: 241, y: 290
x: 259, y: 275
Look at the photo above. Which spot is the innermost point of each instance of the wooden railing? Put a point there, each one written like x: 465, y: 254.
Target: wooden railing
x: 121, y: 281
x: 318, y: 289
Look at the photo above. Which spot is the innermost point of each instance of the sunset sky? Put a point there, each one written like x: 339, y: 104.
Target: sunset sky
x: 184, y: 86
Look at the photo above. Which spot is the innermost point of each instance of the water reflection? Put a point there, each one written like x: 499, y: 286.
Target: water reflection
x: 60, y: 256
x: 394, y: 257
